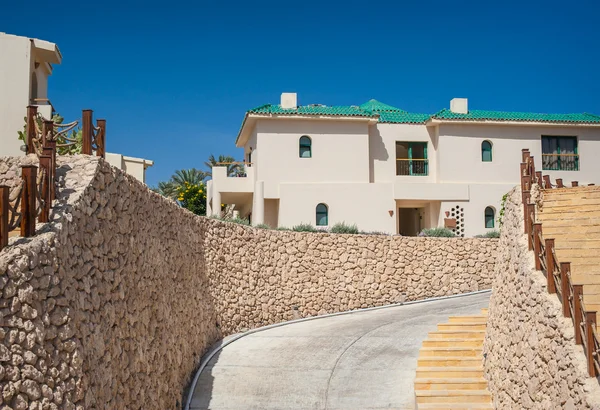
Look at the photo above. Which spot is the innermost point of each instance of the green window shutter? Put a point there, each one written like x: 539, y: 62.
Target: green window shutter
x: 305, y: 147
x: 486, y: 151
x: 322, y: 215
x: 489, y: 217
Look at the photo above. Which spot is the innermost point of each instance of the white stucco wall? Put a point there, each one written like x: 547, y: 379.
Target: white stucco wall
x: 136, y: 167
x: 460, y: 148
x: 340, y: 152
x: 15, y: 75
x: 366, y: 205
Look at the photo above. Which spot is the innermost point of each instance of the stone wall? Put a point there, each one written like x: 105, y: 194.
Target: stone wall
x: 113, y: 304
x: 531, y: 360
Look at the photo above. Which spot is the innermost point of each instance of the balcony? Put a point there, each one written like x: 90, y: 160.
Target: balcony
x: 560, y: 162
x: 225, y: 183
x: 414, y: 167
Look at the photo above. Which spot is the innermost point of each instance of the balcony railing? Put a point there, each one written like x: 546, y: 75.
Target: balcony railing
x: 560, y: 162
x: 415, y: 167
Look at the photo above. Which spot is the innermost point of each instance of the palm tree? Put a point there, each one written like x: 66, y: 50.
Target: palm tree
x: 232, y: 169
x: 167, y: 189
x: 192, y: 176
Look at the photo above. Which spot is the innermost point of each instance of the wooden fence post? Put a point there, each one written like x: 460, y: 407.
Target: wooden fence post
x: 565, y: 267
x: 525, y: 154
x: 526, y: 197
x: 46, y: 195
x: 523, y: 171
x: 47, y: 132
x: 101, y: 139
x: 577, y: 293
x: 559, y: 183
x: 537, y: 244
x: 574, y: 183
x: 547, y: 183
x: 4, y: 191
x: 550, y: 265
x: 590, y: 324
x: 28, y: 199
x: 31, y: 117
x: 530, y: 221
x: 538, y: 177
x: 86, y: 131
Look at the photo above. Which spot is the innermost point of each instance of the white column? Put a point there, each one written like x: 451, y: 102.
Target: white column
x: 258, y: 203
x: 216, y: 202
x: 209, y: 198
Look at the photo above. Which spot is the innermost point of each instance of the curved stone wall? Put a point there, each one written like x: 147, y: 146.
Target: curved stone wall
x: 113, y: 304
x: 531, y: 360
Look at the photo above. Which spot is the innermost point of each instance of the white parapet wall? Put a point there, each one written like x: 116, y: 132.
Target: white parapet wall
x: 136, y: 167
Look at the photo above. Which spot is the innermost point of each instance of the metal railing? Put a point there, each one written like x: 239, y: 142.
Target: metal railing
x: 415, y: 167
x: 560, y: 162
x: 558, y: 274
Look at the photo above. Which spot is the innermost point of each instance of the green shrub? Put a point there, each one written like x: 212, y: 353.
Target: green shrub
x: 262, y: 226
x: 237, y: 220
x: 304, y: 228
x: 341, y: 227
x: 437, y: 233
x: 489, y: 234
x: 374, y: 233
x: 283, y: 228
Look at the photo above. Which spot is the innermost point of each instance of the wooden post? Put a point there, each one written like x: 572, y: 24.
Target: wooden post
x: 577, y: 293
x: 47, y: 132
x: 530, y: 221
x: 101, y: 139
x: 525, y: 154
x: 86, y: 130
x: 31, y: 117
x: 532, y: 161
x: 28, y: 199
x: 574, y: 183
x: 590, y: 324
x: 522, y: 170
x: 46, y: 165
x: 4, y: 191
x: 565, y: 288
x: 547, y: 183
x: 537, y: 244
x: 526, y: 197
x: 550, y: 265
x: 591, y: 184
x: 538, y: 177
x: 559, y: 183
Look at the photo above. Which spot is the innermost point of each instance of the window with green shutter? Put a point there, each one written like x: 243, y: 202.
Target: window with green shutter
x: 490, y: 215
x: 411, y: 158
x: 559, y: 153
x: 486, y: 151
x: 322, y: 215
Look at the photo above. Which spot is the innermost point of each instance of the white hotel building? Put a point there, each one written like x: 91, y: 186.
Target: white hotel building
x: 388, y: 170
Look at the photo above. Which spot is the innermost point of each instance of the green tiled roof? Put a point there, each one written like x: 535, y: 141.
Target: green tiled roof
x: 392, y: 115
x: 374, y: 105
x: 483, y: 115
x: 314, y: 109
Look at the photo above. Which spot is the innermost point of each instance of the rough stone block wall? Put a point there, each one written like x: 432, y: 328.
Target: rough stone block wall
x: 114, y: 302
x: 531, y: 360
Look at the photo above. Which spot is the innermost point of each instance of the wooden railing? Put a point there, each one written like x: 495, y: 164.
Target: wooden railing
x: 32, y: 199
x: 557, y: 273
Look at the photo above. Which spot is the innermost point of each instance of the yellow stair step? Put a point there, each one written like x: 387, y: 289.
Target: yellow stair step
x: 453, y: 396
x: 450, y: 351
x: 478, y: 319
x: 454, y: 372
x: 446, y: 362
x: 458, y: 334
x: 452, y: 342
x: 472, y: 383
x: 454, y: 406
x: 461, y: 326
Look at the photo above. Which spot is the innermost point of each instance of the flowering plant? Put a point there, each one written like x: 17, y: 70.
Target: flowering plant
x: 192, y: 197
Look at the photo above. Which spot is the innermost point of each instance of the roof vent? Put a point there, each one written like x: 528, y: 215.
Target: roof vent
x: 289, y: 100
x: 459, y: 105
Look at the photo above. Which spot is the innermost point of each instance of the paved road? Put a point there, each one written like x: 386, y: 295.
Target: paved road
x: 364, y: 360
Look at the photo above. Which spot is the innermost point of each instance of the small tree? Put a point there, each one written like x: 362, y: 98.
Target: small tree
x: 192, y: 197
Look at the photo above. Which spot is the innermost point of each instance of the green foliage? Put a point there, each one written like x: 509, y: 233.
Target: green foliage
x: 341, y: 227
x: 489, y: 234
x: 283, y: 228
x: 374, y: 233
x: 237, y: 220
x: 304, y: 228
x: 502, y: 206
x: 437, y: 233
x: 75, y: 135
x: 191, y: 176
x: 262, y: 226
x: 232, y: 169
x: 192, y: 197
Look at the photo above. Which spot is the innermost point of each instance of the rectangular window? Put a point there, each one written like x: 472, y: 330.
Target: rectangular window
x: 560, y: 153
x: 411, y: 158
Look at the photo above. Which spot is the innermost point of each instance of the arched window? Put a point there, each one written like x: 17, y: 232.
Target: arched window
x: 34, y: 86
x: 305, y: 147
x: 489, y: 217
x: 486, y: 151
x: 322, y: 215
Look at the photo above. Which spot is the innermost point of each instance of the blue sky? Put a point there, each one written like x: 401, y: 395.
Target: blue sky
x: 174, y: 79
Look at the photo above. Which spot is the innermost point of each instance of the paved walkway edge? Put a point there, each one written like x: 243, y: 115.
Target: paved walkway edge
x: 210, y: 354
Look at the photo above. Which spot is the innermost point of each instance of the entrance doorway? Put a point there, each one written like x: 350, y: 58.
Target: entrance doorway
x: 409, y: 221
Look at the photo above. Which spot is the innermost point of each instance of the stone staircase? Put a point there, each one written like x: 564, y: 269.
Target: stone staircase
x: 572, y: 217
x: 450, y: 366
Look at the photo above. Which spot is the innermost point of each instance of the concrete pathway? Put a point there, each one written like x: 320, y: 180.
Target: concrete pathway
x: 364, y: 360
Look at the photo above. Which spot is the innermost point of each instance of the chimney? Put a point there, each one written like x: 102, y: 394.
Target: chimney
x: 289, y: 100
x: 459, y: 105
